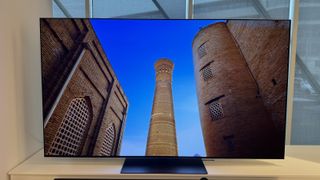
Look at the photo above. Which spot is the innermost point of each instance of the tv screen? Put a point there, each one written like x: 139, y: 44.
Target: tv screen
x: 212, y: 88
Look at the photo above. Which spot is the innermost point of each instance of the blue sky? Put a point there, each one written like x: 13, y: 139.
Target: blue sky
x: 132, y: 47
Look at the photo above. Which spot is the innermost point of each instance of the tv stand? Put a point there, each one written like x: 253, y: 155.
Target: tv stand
x: 301, y: 162
x: 163, y: 166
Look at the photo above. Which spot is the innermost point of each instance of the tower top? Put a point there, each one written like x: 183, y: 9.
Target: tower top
x: 163, y: 61
x: 206, y: 28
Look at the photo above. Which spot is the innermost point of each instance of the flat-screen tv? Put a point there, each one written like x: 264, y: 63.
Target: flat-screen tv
x: 213, y: 88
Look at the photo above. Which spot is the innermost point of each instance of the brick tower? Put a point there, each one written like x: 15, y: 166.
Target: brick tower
x: 234, y: 120
x: 162, y: 133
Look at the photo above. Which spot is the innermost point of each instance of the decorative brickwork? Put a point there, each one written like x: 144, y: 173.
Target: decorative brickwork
x: 74, y: 66
x: 70, y: 134
x: 107, y: 145
x: 202, y: 50
x: 206, y: 73
x: 216, y: 111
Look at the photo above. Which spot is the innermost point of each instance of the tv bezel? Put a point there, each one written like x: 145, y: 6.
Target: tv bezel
x: 171, y: 157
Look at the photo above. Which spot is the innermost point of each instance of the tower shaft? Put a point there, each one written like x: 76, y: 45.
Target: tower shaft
x: 234, y: 120
x: 162, y: 133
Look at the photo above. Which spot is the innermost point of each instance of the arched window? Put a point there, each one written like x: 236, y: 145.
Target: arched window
x: 108, y: 141
x: 72, y: 129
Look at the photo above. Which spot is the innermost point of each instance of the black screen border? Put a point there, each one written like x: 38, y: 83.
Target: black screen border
x: 174, y: 157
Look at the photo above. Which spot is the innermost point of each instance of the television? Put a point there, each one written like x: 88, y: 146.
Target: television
x: 164, y: 90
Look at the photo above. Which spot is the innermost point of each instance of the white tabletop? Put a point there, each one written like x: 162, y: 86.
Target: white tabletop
x: 301, y: 162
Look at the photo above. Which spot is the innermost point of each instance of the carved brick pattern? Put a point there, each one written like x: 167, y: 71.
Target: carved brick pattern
x: 207, y: 73
x: 216, y: 111
x: 108, y: 141
x: 70, y: 133
x: 202, y: 51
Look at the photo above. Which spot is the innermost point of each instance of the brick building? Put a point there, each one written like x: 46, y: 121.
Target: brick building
x: 241, y: 72
x: 162, y: 140
x: 84, y: 106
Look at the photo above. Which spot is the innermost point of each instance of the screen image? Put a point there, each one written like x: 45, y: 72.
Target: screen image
x: 214, y: 88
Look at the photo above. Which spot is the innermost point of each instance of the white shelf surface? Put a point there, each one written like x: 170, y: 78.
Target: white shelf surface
x: 301, y: 162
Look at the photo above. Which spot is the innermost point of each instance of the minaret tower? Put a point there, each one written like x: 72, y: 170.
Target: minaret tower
x: 162, y: 139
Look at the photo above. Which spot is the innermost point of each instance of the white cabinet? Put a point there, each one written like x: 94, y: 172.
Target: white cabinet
x: 293, y: 167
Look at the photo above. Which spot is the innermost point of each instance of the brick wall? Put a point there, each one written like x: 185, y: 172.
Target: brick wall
x: 246, y: 127
x: 74, y: 65
x: 268, y: 61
